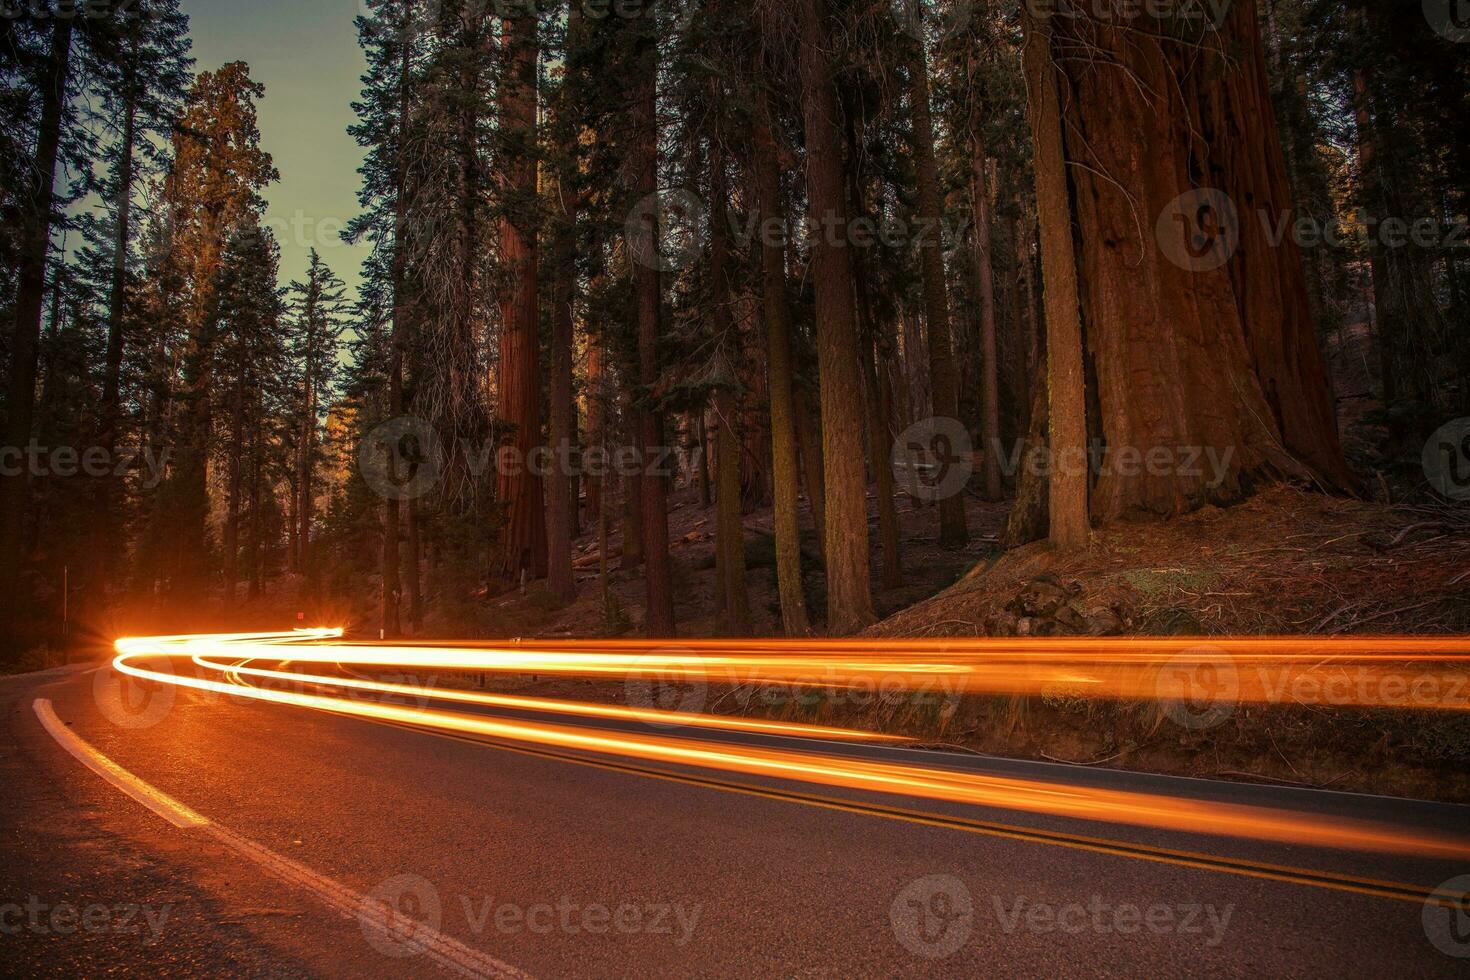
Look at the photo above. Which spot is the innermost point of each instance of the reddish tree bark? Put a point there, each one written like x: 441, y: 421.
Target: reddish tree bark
x: 519, y: 486
x: 1198, y: 328
x: 849, y: 598
x: 1065, y: 383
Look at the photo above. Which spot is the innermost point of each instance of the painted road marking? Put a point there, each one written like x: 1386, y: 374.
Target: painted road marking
x: 371, y: 913
x: 160, y: 803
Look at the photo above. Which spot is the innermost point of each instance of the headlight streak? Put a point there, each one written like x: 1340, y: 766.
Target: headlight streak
x: 581, y: 708
x: 1034, y: 796
x: 1341, y: 672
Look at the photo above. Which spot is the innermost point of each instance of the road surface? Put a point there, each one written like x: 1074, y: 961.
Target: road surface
x: 280, y: 841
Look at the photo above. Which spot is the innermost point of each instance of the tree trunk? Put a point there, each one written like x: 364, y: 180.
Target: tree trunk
x: 1066, y: 391
x: 985, y: 284
x: 880, y: 456
x: 849, y: 598
x: 35, y: 243
x: 390, y: 619
x: 787, y: 525
x: 561, y: 579
x: 232, y: 491
x: 880, y: 436
x: 306, y: 465
x: 954, y: 532
x: 596, y: 425
x: 730, y: 524
x: 411, y: 566
x: 257, y: 530
x: 702, y: 458
x: 809, y: 441
x: 1206, y: 366
x: 108, y: 517
x: 632, y: 489
x: 519, y: 488
x: 647, y: 288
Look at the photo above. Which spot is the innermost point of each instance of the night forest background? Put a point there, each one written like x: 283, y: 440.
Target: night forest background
x: 571, y: 217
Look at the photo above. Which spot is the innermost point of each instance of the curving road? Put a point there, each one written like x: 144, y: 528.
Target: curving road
x: 220, y: 834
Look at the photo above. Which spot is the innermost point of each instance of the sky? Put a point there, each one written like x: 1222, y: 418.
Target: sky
x: 305, y: 53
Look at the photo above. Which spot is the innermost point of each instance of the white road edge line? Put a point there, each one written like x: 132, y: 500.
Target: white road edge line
x: 165, y: 806
x: 371, y: 913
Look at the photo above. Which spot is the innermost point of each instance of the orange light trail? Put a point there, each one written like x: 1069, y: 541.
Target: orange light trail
x: 1430, y: 673
x: 953, y: 786
x: 584, y: 709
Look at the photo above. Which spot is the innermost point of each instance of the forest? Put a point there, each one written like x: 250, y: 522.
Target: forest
x: 784, y: 318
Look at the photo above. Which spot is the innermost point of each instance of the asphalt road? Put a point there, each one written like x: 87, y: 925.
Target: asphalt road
x: 518, y: 863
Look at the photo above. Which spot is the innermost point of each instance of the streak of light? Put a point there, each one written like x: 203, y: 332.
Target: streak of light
x: 1034, y: 796
x: 653, y: 716
x: 1392, y: 672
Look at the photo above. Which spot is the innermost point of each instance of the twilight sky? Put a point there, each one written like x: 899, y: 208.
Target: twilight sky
x: 306, y: 54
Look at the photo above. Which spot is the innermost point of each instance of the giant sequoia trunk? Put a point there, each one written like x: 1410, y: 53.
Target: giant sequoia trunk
x: 1198, y: 332
x: 518, y: 486
x: 849, y: 599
